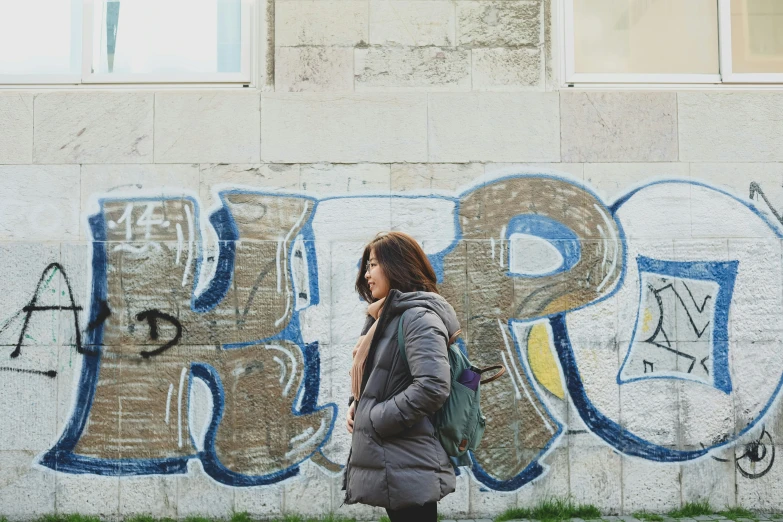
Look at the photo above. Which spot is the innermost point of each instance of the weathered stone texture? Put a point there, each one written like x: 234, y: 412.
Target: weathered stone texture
x: 259, y: 501
x: 93, y: 127
x: 151, y: 496
x: 412, y: 22
x: 344, y: 129
x: 321, y: 22
x: 554, y: 484
x: 197, y: 494
x: 650, y: 486
x: 596, y: 477
x: 710, y: 478
x: 25, y: 492
x: 659, y: 421
x: 618, y: 126
x: 457, y: 505
x: 16, y: 131
x: 423, y: 68
x: 326, y: 178
x: 207, y: 127
x: 40, y: 203
x: 504, y: 69
x: 493, y: 127
x: 486, y: 503
x: 433, y: 176
x: 39, y: 397
x: 574, y: 171
x: 730, y: 126
x: 261, y: 176
x: 552, y: 79
x: 176, y: 180
x: 498, y: 23
x: 313, y: 69
x: 737, y: 177
x: 612, y: 180
x: 310, y: 494
x: 88, y: 495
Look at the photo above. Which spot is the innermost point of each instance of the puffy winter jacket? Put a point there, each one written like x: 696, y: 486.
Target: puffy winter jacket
x: 396, y: 460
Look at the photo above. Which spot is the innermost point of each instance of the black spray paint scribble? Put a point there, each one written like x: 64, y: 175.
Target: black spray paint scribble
x: 48, y: 373
x: 755, y: 190
x: 104, y: 312
x: 152, y: 317
x: 759, y: 453
x: 33, y: 306
x: 659, y: 337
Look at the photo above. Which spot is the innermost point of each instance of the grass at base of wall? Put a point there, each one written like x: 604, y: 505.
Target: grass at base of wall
x: 68, y: 518
x: 551, y: 510
x: 384, y: 518
x: 695, y: 509
x: 237, y: 517
x: 692, y: 509
x: 736, y: 513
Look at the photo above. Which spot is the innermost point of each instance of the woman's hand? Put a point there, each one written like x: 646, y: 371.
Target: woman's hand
x: 349, y: 417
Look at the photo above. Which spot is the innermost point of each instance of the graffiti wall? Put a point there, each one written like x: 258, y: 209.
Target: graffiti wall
x: 198, y: 347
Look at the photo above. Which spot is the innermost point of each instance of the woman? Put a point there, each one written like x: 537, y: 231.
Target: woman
x: 396, y: 460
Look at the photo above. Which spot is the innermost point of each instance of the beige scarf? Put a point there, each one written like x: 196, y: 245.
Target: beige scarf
x: 362, y: 349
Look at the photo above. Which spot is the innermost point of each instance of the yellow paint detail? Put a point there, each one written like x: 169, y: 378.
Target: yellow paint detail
x: 542, y: 362
x: 646, y: 320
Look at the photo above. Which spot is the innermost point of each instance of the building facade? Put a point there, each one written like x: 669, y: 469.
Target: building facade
x: 178, y: 266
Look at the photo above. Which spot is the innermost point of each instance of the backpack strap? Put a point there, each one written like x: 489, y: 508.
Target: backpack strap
x: 498, y: 368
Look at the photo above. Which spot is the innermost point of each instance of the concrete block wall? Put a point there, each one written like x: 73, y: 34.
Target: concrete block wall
x: 619, y: 251
x: 410, y: 45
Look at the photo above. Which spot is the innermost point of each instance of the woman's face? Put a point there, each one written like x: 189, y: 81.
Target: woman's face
x: 379, y: 284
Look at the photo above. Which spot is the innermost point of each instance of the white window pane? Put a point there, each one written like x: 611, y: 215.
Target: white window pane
x: 646, y: 36
x: 757, y: 36
x: 167, y: 36
x: 40, y: 36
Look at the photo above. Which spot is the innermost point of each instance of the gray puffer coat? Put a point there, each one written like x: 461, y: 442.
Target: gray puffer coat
x: 396, y: 460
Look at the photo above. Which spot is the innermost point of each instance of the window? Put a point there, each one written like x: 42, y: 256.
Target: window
x: 40, y: 40
x: 673, y: 41
x: 125, y: 41
x: 753, y: 31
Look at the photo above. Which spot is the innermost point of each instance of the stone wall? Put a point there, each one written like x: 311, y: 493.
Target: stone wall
x: 178, y: 270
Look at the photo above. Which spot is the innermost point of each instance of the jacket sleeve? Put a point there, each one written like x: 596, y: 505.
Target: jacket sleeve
x: 428, y: 360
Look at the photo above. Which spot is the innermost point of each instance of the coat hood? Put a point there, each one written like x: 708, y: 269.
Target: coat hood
x: 398, y: 302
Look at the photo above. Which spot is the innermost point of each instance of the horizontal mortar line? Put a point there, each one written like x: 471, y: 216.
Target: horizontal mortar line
x: 466, y: 47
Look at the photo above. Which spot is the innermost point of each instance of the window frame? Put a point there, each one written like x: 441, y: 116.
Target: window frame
x: 726, y: 62
x: 247, y: 76
x: 725, y: 76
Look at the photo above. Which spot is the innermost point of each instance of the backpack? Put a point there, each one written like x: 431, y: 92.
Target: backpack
x: 459, y: 423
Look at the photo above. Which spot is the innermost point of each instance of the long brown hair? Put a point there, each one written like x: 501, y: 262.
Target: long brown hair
x: 403, y: 262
